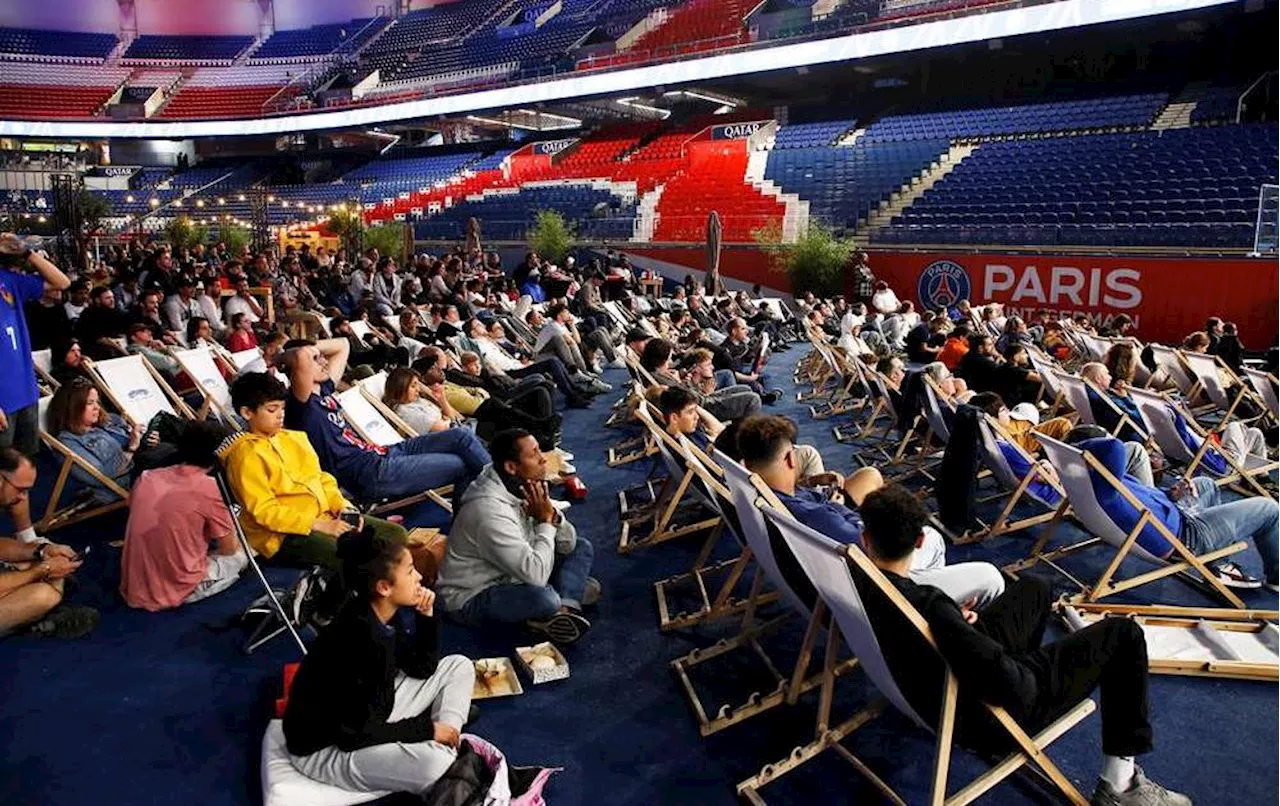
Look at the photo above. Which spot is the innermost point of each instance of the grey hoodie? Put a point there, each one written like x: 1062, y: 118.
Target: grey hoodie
x: 493, y: 542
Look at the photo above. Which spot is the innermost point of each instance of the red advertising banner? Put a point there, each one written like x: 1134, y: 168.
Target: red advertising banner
x: 1167, y: 297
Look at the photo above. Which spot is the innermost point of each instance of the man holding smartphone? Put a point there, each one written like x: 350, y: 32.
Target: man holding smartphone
x: 32, y: 574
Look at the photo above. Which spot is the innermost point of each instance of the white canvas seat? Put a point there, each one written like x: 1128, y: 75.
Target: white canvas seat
x: 1076, y: 470
x: 137, y: 389
x: 1045, y: 368
x: 283, y: 785
x: 366, y: 419
x: 199, y: 365
x: 250, y: 360
x: 1214, y: 378
x: 830, y: 567
x: 1264, y: 386
x: 1170, y: 360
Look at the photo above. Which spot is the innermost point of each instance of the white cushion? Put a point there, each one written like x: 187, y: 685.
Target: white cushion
x: 283, y: 785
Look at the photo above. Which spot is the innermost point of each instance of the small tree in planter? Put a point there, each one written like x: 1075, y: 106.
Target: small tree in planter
x: 181, y: 233
x: 816, y: 262
x: 347, y: 223
x: 235, y: 237
x: 388, y: 239
x: 550, y: 236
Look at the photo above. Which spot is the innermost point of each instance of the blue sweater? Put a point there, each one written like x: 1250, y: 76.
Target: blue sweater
x: 1110, y: 451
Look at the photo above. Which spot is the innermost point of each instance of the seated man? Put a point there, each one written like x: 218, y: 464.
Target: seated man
x: 32, y: 573
x: 370, y: 471
x: 1106, y: 416
x: 374, y: 707
x: 179, y: 544
x: 512, y: 556
x: 498, y: 360
x: 293, y: 511
x: 997, y: 658
x: 141, y: 343
x: 728, y: 403
x: 1193, y: 511
x: 767, y: 445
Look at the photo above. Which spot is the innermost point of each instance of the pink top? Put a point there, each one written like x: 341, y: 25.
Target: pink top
x: 174, y: 514
x: 240, y: 341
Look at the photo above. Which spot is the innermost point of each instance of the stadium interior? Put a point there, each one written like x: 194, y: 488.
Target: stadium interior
x: 997, y: 144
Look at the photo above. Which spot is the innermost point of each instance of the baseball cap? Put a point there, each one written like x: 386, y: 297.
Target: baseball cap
x: 1026, y: 412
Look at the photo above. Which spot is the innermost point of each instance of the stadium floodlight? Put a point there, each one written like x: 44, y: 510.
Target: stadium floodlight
x: 634, y: 103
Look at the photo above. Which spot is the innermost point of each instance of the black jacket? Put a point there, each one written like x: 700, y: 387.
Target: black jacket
x: 345, y: 688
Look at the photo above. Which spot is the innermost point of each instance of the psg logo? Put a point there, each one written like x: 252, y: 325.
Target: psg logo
x: 942, y: 284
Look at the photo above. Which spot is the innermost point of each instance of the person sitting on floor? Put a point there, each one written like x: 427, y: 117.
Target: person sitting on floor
x: 767, y: 445
x: 370, y: 471
x: 32, y: 574
x: 1194, y: 512
x: 373, y: 707
x: 997, y: 657
x: 512, y: 557
x: 179, y: 544
x: 293, y: 511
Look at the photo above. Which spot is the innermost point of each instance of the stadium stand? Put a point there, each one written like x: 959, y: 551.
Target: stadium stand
x: 187, y: 49
x: 319, y: 40
x: 595, y: 212
x: 57, y: 45
x: 31, y: 90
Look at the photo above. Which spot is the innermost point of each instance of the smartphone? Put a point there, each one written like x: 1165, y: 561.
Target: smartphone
x: 84, y: 554
x: 352, y: 518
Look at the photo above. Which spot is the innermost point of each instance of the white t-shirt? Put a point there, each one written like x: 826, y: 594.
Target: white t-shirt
x: 235, y: 305
x: 420, y: 415
x: 885, y: 301
x: 495, y: 356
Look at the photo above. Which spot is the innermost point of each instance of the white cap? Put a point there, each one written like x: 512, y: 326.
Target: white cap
x: 1025, y: 411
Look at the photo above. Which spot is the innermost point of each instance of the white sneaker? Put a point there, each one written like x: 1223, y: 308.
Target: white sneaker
x: 617, y: 363
x: 1142, y: 792
x: 1232, y: 576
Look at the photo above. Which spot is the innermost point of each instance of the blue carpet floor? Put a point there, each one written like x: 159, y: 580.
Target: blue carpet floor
x: 165, y: 709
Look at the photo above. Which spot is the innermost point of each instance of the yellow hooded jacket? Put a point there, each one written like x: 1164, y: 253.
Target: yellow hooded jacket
x: 279, y: 481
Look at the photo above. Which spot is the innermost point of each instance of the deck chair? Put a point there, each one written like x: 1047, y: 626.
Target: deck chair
x: 209, y: 383
x: 1076, y: 469
x: 276, y: 619
x: 42, y: 360
x: 1158, y: 413
x: 743, y: 491
x: 377, y: 430
x: 1175, y: 369
x: 831, y: 568
x: 1209, y: 373
x: 1196, y: 641
x: 1017, y: 488
x: 1264, y: 386
x: 1045, y: 368
x: 58, y: 513
x: 137, y: 389
x: 670, y: 499
x: 707, y: 483
x: 1076, y: 391
x: 250, y: 360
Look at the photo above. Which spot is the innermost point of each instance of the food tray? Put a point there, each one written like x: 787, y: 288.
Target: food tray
x: 526, y: 654
x: 495, y: 677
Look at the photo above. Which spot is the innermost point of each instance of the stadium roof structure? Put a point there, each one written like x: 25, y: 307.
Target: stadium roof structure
x: 921, y: 36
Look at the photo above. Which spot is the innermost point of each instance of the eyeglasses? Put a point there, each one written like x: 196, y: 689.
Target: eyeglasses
x: 9, y: 481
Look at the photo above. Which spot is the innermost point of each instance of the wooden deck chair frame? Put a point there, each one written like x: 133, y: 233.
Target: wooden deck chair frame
x: 667, y: 503
x: 1175, y: 369
x: 1077, y: 389
x: 42, y: 361
x: 641, y: 446
x: 437, y: 495
x: 1264, y: 386
x: 744, y: 488
x: 707, y: 476
x: 1207, y: 369
x: 210, y: 403
x: 885, y: 407
x: 1208, y: 623
x: 278, y: 621
x: 1154, y: 409
x: 1045, y: 367
x: 55, y: 516
x: 178, y: 406
x: 1091, y: 515
x: 842, y: 399
x: 1016, y: 490
x: 858, y: 632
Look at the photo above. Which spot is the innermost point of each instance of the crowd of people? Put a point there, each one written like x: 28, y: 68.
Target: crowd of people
x: 479, y: 363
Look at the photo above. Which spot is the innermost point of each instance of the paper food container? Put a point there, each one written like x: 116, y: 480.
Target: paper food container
x: 533, y: 659
x: 495, y: 677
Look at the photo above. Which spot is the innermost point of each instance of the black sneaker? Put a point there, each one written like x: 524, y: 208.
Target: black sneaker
x: 771, y: 397
x: 578, y: 402
x: 66, y: 621
x: 562, y: 628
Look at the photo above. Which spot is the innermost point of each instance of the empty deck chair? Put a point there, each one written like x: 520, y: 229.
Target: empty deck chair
x: 212, y: 387
x: 1076, y: 470
x: 831, y: 567
x: 137, y: 389
x: 1221, y: 386
x: 1264, y: 386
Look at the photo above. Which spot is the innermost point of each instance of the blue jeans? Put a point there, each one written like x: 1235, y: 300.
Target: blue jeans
x: 725, y: 377
x: 518, y: 603
x: 1208, y: 524
x: 552, y: 367
x: 455, y: 456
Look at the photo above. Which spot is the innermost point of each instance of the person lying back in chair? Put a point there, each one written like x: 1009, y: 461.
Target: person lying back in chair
x: 997, y: 658
x: 767, y: 446
x: 1194, y: 512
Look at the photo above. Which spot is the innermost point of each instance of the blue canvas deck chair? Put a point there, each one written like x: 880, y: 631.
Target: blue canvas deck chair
x: 1020, y: 488
x: 1159, y: 414
x: 1076, y: 470
x: 831, y: 568
x: 742, y: 513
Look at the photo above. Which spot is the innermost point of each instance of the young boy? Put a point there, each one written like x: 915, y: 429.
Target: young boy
x: 292, y: 509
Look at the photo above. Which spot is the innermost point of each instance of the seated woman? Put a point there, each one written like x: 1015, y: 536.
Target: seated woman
x: 104, y: 440
x: 373, y: 706
x: 403, y: 395
x: 953, y: 389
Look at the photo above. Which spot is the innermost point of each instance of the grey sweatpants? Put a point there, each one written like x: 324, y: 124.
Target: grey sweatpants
x: 402, y: 767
